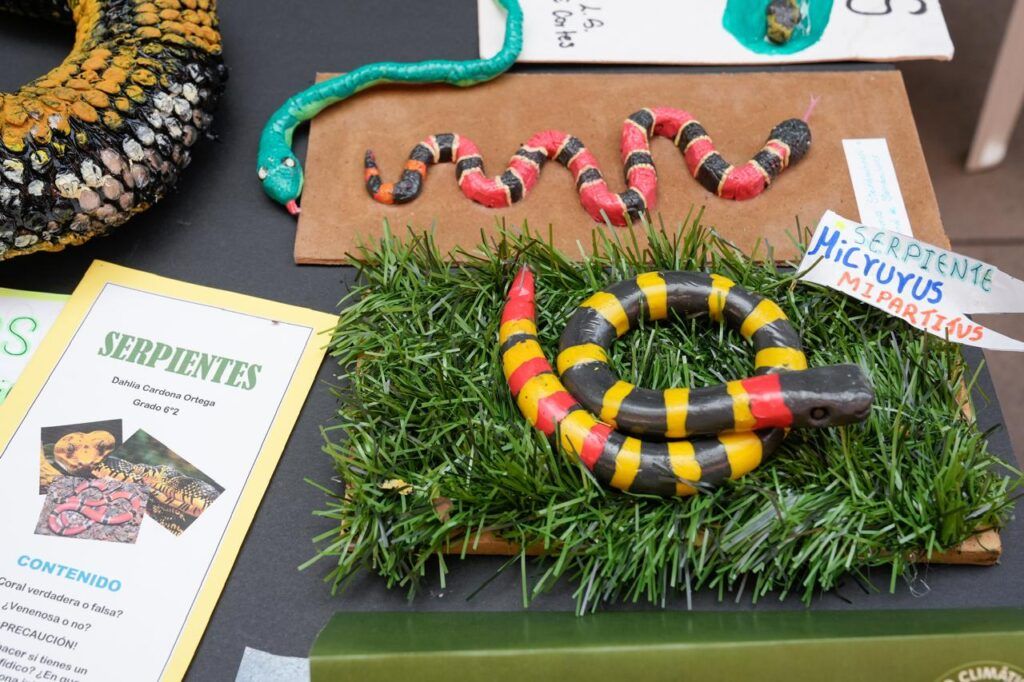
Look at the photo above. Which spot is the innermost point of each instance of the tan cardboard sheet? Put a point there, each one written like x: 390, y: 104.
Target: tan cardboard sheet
x: 737, y: 109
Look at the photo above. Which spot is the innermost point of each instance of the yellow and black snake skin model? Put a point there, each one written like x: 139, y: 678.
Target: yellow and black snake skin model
x: 105, y: 134
x: 599, y: 418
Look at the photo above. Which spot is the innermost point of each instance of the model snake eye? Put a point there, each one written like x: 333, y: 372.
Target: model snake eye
x: 261, y: 173
x: 819, y: 414
x: 289, y: 162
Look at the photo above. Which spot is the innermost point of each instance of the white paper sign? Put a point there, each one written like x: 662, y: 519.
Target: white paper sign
x: 875, y: 186
x: 25, y: 317
x: 718, y: 31
x: 930, y: 288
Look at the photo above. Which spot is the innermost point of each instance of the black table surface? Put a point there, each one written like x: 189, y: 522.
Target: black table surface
x: 219, y: 230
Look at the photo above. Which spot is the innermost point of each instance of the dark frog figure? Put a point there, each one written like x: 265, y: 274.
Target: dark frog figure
x: 781, y: 17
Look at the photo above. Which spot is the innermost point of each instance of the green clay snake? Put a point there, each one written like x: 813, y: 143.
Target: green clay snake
x: 278, y: 168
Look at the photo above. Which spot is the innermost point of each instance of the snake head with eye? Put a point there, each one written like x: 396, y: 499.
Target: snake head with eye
x: 280, y: 174
x: 833, y: 395
x: 77, y: 453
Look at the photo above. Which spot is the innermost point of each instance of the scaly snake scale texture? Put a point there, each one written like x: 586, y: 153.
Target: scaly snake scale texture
x: 105, y: 134
x: 167, y: 485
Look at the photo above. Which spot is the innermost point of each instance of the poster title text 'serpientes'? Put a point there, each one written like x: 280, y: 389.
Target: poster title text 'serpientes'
x: 185, y: 361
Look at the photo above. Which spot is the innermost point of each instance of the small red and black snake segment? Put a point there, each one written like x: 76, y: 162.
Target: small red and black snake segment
x: 597, y: 417
x: 787, y: 143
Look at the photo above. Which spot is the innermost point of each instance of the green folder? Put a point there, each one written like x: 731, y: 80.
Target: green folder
x: 969, y: 645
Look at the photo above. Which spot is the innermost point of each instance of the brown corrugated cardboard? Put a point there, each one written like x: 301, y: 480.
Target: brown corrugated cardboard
x: 738, y: 109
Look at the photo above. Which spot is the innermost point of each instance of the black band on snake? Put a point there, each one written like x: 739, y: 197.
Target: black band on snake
x: 104, y: 135
x: 597, y: 417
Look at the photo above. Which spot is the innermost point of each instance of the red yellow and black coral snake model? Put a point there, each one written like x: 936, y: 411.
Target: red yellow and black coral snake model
x: 787, y: 143
x: 741, y: 423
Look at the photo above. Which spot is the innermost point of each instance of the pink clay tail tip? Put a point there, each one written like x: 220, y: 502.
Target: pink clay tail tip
x: 293, y: 208
x: 810, y: 107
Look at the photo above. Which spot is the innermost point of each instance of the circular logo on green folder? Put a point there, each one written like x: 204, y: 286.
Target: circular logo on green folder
x: 984, y: 671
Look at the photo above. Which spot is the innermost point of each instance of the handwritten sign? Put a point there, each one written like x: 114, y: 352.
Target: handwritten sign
x: 570, y: 19
x: 875, y: 186
x: 25, y: 317
x: 930, y: 288
x: 696, y: 31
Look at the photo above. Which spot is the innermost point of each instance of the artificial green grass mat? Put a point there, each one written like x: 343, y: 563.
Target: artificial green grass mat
x: 424, y: 413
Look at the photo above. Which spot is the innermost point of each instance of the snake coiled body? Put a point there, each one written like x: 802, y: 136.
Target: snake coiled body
x: 105, y: 134
x: 167, y: 485
x: 675, y: 441
x: 787, y: 143
x: 92, y: 502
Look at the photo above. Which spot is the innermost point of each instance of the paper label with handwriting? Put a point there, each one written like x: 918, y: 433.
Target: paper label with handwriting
x: 718, y: 31
x: 930, y: 288
x: 25, y: 317
x: 875, y: 186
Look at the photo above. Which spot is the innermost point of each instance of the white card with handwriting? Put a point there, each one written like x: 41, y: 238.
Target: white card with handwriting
x: 929, y: 288
x: 873, y: 174
x: 719, y: 31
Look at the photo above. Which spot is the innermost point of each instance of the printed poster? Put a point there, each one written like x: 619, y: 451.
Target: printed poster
x: 134, y: 451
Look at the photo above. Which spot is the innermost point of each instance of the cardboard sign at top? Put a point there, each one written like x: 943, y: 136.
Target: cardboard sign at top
x: 738, y: 110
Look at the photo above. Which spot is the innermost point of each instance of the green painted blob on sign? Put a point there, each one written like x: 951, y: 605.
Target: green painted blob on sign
x: 745, y: 20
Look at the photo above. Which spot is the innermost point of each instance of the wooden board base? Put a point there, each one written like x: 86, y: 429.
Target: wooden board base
x: 738, y: 110
x: 981, y: 549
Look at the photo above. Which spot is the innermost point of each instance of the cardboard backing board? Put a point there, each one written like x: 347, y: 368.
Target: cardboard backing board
x: 738, y: 110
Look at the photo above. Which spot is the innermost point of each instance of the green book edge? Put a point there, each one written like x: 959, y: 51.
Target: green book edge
x: 791, y: 645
